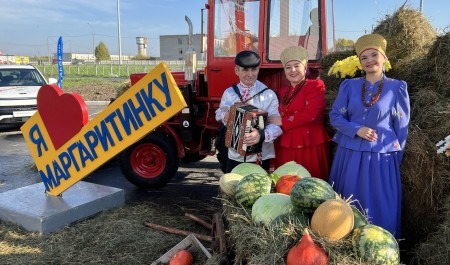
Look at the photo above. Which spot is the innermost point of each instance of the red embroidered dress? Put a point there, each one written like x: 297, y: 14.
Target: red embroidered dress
x: 304, y: 137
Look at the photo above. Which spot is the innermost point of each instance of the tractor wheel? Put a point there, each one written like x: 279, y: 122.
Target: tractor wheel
x: 151, y: 162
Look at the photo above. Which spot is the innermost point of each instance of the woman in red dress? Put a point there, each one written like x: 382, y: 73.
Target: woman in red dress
x: 302, y: 107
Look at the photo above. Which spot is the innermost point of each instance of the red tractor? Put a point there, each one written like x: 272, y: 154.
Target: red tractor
x: 264, y: 26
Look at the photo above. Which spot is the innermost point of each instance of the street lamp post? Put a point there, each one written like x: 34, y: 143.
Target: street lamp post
x: 48, y: 51
x: 93, y: 41
x: 334, y: 30
x: 119, y: 36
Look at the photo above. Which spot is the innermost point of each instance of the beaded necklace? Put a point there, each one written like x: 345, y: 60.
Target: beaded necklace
x: 288, y: 98
x: 375, y: 97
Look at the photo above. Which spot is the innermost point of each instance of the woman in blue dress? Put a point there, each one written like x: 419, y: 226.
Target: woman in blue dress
x: 371, y: 116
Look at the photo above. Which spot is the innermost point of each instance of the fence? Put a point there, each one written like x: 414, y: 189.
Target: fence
x: 106, y: 69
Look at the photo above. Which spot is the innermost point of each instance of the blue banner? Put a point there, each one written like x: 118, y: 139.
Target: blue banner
x: 60, y: 64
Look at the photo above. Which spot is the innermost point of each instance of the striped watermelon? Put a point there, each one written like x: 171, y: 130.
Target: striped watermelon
x: 295, y: 218
x: 308, y: 193
x: 375, y: 245
x: 360, y: 218
x: 251, y: 187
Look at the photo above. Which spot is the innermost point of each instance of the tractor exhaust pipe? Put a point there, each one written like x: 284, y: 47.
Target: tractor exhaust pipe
x: 190, y: 58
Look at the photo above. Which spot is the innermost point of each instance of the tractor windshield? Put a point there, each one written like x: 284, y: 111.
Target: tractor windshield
x: 293, y: 22
x: 235, y: 27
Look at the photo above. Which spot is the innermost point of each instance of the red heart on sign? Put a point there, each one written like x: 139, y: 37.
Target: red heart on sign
x: 63, y: 114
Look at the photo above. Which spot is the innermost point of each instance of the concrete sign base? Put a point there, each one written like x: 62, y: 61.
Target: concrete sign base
x: 34, y: 210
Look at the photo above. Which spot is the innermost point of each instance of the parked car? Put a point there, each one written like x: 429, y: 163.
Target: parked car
x: 19, y: 85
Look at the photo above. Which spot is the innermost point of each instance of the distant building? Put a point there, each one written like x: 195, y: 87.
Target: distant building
x: 75, y: 58
x: 172, y: 47
x: 142, y: 46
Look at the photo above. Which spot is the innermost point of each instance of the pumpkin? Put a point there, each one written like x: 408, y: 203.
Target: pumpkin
x: 271, y: 206
x: 375, y: 245
x: 307, y: 252
x: 333, y: 219
x: 285, y: 183
x: 308, y: 193
x: 228, y: 182
x: 251, y: 187
x: 182, y: 257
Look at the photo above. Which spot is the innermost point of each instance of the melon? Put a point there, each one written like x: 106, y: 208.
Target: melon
x: 308, y: 193
x: 228, y: 183
x: 375, y: 245
x: 333, y: 219
x: 251, y: 187
x: 270, y: 207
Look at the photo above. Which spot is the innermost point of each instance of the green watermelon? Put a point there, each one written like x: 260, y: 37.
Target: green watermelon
x: 251, y: 187
x: 360, y: 218
x: 375, y: 245
x: 308, y: 193
x: 293, y: 217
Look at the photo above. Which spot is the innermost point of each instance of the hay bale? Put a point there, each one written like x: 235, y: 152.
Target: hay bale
x: 429, y: 71
x: 425, y: 175
x: 408, y: 33
x: 437, y: 65
x: 269, y: 244
x: 430, y: 112
x: 435, y: 250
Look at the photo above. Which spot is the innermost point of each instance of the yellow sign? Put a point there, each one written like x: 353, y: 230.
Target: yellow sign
x: 147, y: 104
x: 22, y: 59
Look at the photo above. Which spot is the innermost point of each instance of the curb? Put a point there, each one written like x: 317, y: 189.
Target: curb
x: 97, y: 103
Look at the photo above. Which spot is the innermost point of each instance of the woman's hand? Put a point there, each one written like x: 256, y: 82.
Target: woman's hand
x: 367, y: 134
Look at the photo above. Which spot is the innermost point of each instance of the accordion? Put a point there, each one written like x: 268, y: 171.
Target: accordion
x: 240, y: 121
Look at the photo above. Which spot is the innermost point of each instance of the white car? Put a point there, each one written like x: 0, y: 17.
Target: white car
x: 19, y: 85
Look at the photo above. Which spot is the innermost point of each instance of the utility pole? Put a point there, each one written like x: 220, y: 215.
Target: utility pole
x: 93, y: 42
x: 48, y: 51
x: 334, y: 31
x: 119, y: 36
x: 421, y: 6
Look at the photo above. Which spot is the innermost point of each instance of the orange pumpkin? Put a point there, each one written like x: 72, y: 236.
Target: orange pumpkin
x: 285, y: 183
x: 307, y: 252
x: 182, y: 257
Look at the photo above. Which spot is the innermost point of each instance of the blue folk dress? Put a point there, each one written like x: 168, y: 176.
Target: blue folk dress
x: 369, y: 172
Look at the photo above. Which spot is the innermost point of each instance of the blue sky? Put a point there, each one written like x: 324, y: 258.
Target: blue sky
x: 32, y: 27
